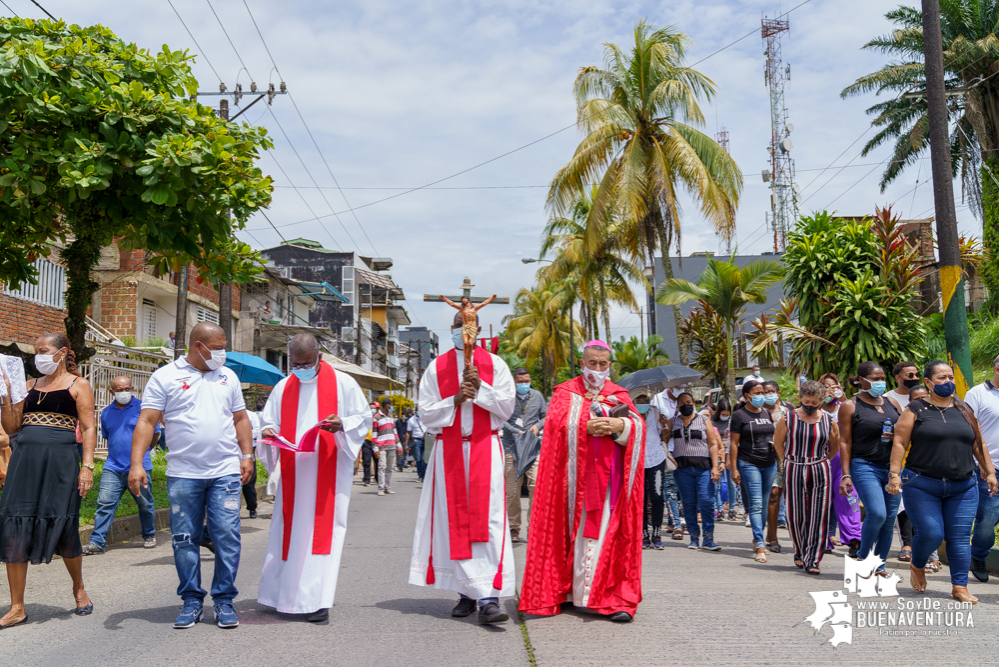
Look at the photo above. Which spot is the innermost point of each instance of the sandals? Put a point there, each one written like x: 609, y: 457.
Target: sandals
x: 905, y: 554
x: 761, y: 557
x: 813, y: 570
x: 24, y: 619
x: 932, y: 567
x: 961, y: 594
x: 677, y: 534
x: 798, y: 563
x: 774, y: 547
x: 917, y: 578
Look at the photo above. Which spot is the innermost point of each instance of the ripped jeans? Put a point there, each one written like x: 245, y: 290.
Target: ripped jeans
x: 189, y: 500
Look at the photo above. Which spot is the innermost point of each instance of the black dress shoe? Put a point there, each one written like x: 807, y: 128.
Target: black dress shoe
x: 980, y: 570
x: 319, y: 616
x: 464, y: 608
x: 492, y: 613
x: 854, y: 547
x: 621, y: 617
x: 253, y: 514
x: 84, y: 611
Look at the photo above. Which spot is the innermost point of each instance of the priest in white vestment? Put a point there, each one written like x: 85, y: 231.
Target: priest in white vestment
x: 462, y: 541
x: 309, y: 523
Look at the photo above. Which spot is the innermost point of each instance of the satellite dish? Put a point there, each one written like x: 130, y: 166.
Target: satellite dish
x: 766, y: 176
x: 789, y: 127
x: 786, y: 145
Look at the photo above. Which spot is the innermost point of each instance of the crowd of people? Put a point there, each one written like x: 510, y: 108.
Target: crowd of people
x: 608, y: 473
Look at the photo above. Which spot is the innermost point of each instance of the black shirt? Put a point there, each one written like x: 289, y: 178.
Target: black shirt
x: 756, y: 437
x: 867, y: 431
x: 941, y: 442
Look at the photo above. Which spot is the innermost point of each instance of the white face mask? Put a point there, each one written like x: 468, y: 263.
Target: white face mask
x: 123, y: 397
x: 216, y: 361
x: 45, y: 364
x: 596, y: 378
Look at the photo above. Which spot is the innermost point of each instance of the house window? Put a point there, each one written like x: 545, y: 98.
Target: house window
x: 347, y: 282
x: 205, y: 315
x: 149, y: 318
x: 51, y: 287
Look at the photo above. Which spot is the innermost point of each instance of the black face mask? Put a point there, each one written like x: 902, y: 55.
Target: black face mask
x: 809, y: 409
x: 909, y: 384
x: 686, y: 410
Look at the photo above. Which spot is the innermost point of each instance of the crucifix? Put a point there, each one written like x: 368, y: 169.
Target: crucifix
x: 469, y: 313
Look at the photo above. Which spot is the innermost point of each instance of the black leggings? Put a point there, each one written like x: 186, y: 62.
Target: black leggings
x: 654, y: 501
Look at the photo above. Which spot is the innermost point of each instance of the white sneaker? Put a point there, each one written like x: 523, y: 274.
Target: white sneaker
x: 748, y: 524
x: 389, y: 491
x: 380, y: 492
x: 149, y: 542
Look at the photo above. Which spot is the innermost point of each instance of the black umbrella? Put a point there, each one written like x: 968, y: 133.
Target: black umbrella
x: 659, y: 377
x: 526, y: 447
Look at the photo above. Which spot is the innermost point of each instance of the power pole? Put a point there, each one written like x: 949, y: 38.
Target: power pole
x: 951, y: 269
x: 180, y: 324
x: 225, y: 290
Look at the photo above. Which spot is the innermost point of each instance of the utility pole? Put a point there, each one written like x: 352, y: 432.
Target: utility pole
x: 180, y: 324
x: 955, y: 314
x: 225, y: 290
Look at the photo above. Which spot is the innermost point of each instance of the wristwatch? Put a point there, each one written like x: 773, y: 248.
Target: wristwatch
x: 893, y: 474
x: 88, y: 465
x: 246, y: 456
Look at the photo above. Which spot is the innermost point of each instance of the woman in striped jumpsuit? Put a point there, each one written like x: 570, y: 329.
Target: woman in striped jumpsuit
x: 806, y: 439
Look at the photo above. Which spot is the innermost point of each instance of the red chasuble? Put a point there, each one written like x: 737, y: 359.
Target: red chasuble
x: 322, y: 532
x: 572, y: 467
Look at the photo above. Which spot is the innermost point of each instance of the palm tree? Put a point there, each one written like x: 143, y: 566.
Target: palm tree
x: 727, y: 289
x: 971, y: 60
x: 642, y: 147
x: 539, y: 329
x: 598, y: 266
x: 635, y: 354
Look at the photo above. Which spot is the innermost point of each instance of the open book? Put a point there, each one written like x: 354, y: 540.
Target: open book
x: 307, y: 443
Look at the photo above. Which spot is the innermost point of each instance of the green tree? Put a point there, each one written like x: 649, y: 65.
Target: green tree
x: 636, y: 354
x: 704, y: 333
x: 97, y: 145
x: 538, y: 331
x: 853, y: 286
x: 727, y: 289
x: 642, y: 147
x: 971, y: 59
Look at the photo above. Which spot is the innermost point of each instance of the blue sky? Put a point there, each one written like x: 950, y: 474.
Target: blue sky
x: 400, y: 94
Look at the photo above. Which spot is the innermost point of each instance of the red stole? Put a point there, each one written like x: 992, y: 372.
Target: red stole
x: 467, y: 509
x: 322, y: 532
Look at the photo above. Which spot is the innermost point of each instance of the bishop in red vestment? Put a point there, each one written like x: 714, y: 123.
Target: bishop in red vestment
x: 585, y: 537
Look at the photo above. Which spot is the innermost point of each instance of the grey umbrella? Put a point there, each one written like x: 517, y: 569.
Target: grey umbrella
x: 527, y: 446
x: 659, y: 377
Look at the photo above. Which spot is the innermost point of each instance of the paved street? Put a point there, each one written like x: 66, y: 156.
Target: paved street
x: 699, y: 607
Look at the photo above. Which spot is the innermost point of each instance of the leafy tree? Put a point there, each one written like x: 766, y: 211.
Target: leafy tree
x: 636, y: 354
x: 971, y: 59
x: 538, y: 330
x: 642, y: 146
x: 705, y: 334
x: 727, y: 289
x: 98, y: 145
x: 854, y: 285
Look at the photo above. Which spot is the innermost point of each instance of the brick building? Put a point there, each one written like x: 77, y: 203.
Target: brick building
x: 33, y: 310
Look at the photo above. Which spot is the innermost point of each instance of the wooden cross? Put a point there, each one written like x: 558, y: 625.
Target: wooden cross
x: 470, y: 316
x: 466, y: 290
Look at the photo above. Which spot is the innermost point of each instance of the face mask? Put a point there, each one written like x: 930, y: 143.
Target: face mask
x: 910, y: 383
x: 838, y: 393
x: 686, y: 410
x: 642, y: 408
x: 809, y: 409
x: 45, y: 364
x: 770, y: 399
x: 459, y: 342
x: 122, y: 397
x: 877, y: 388
x: 596, y: 378
x: 216, y: 361
x: 725, y: 418
x: 757, y: 401
x: 374, y: 411
x: 944, y: 390
x: 756, y: 374
x: 523, y: 387
x: 305, y: 374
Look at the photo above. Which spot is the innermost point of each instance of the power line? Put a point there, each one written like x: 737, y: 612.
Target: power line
x: 191, y: 35
x: 262, y: 38
x: 239, y: 57
x: 748, y: 34
x: 8, y: 8
x: 41, y: 8
x: 302, y: 197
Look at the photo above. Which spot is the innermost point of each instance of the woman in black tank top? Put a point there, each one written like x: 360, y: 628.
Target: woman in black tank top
x: 867, y: 426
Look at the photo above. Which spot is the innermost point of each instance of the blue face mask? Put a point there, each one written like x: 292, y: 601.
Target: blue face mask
x: 770, y: 399
x: 523, y: 387
x: 642, y: 408
x: 758, y: 400
x: 877, y: 388
x: 305, y: 374
x: 944, y: 390
x: 459, y: 342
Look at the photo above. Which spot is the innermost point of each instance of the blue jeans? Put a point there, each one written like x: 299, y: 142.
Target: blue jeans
x: 880, y: 507
x: 189, y: 500
x: 670, y: 496
x: 416, y: 449
x: 113, y: 487
x: 941, y: 509
x: 734, y: 494
x: 984, y: 535
x: 757, y: 481
x: 698, y: 494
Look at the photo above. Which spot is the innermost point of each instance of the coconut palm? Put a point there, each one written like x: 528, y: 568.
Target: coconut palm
x: 727, y: 289
x: 636, y: 354
x: 539, y: 329
x: 639, y: 113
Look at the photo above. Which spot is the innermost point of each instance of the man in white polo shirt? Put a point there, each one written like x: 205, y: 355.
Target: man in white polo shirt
x: 209, y: 459
x: 983, y: 399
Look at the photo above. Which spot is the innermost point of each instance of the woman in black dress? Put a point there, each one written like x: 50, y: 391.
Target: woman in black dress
x: 40, y: 506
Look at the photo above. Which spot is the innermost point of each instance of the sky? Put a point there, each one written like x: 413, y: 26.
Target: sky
x: 476, y: 97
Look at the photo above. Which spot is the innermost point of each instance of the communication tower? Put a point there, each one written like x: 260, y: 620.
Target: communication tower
x: 780, y: 176
x: 721, y: 138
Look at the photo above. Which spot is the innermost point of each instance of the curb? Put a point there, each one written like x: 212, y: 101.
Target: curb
x: 992, y: 562
x: 129, y: 527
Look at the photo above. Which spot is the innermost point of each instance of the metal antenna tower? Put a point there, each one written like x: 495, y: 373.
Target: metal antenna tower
x: 721, y: 138
x: 783, y: 199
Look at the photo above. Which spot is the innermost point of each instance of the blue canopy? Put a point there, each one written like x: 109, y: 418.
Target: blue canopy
x: 253, y: 369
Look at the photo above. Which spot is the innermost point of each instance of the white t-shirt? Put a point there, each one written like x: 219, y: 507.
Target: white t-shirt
x: 655, y: 450
x: 415, y: 427
x: 983, y: 399
x: 197, y: 408
x: 901, y: 399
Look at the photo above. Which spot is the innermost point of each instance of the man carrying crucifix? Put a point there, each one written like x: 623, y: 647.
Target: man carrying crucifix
x: 462, y: 542
x: 470, y: 328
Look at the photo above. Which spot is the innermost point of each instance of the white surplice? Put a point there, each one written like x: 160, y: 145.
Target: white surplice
x: 306, y: 582
x: 473, y: 577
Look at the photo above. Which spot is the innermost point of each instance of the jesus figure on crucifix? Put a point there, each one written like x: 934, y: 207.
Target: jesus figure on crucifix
x: 470, y: 322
